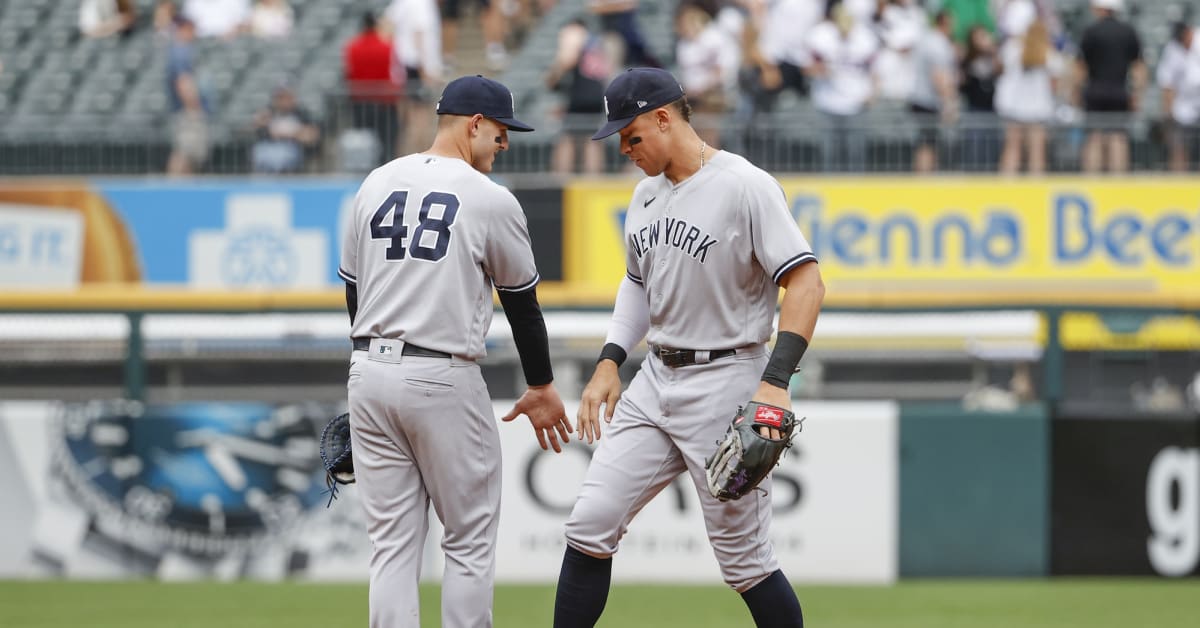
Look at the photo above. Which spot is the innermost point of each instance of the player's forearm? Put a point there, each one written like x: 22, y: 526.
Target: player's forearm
x: 804, y: 293
x: 797, y: 320
x: 529, y: 334
x: 630, y: 321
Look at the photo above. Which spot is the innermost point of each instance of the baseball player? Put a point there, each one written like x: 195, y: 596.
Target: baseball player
x: 709, y: 242
x: 430, y: 236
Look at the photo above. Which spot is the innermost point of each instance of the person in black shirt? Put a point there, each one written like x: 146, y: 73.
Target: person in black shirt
x: 978, y: 73
x: 582, y: 68
x: 1109, y: 54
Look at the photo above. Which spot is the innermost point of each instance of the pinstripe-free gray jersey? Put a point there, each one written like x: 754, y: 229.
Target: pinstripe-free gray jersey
x: 428, y: 239
x: 710, y: 252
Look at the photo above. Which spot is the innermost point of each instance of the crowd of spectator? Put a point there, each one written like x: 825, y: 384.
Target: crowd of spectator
x: 1009, y: 58
x: 981, y: 75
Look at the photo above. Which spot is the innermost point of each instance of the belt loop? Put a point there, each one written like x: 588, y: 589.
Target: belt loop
x: 702, y: 356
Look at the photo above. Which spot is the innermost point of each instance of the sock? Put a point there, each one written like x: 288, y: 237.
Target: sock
x: 582, y: 590
x: 773, y: 603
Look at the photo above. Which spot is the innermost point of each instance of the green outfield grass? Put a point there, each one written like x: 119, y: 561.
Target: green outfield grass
x: 1082, y: 603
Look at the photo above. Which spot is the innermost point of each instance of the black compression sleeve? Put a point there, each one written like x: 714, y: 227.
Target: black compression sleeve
x: 789, y: 348
x: 529, y: 333
x: 352, y: 301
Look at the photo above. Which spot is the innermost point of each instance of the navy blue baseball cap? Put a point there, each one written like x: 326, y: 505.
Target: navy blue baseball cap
x: 469, y: 95
x: 635, y: 92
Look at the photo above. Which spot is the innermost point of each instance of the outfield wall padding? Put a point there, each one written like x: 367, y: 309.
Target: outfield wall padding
x: 974, y: 497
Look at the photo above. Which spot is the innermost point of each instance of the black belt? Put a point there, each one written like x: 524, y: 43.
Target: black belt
x: 676, y: 358
x: 363, y: 344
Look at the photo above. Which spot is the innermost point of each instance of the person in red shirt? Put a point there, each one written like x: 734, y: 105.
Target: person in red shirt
x: 373, y: 85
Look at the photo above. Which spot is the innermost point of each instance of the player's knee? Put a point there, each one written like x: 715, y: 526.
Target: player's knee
x: 742, y: 580
x: 592, y: 533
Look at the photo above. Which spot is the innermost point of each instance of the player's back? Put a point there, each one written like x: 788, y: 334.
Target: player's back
x: 428, y: 235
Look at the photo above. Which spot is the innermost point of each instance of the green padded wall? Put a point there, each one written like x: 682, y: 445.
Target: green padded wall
x: 974, y: 491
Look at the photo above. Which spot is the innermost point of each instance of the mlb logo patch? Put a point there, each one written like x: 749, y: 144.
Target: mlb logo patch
x: 768, y: 416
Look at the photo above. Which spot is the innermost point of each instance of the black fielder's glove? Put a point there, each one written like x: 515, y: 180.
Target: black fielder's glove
x: 744, y: 457
x: 335, y: 454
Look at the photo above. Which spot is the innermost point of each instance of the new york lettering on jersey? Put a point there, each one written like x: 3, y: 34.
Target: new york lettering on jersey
x: 673, y: 232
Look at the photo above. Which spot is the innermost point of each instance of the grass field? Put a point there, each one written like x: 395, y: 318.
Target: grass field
x: 1090, y: 603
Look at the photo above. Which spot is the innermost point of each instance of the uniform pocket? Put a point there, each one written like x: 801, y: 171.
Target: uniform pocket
x: 425, y: 383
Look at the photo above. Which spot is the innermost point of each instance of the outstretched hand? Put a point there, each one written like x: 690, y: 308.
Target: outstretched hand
x: 604, y: 388
x: 546, y: 412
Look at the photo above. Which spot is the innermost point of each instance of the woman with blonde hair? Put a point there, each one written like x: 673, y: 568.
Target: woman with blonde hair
x: 1025, y: 97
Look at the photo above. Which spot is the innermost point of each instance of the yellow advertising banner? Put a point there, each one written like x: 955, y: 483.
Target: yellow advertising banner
x: 958, y: 242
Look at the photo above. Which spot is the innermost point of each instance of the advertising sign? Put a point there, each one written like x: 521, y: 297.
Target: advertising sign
x: 235, y: 490
x: 1125, y: 495
x: 1132, y: 241
x: 40, y: 247
x: 835, y: 497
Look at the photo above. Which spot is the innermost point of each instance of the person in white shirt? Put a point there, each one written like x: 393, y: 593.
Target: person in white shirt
x: 1178, y: 76
x: 1025, y: 97
x: 934, y: 97
x: 901, y: 27
x: 217, y: 18
x: 842, y: 53
x: 101, y: 18
x: 708, y: 61
x: 782, y: 28
x: 271, y: 19
x: 417, y: 42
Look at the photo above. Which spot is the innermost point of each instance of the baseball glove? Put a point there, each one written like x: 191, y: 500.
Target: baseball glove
x: 744, y: 457
x: 335, y: 454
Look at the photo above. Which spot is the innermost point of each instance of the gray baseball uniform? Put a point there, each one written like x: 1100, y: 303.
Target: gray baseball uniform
x: 429, y: 238
x: 709, y: 252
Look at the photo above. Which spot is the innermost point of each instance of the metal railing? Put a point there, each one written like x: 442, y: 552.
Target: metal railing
x: 353, y: 138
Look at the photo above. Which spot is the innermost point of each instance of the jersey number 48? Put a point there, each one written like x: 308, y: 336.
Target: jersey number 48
x: 430, y: 238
